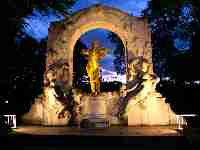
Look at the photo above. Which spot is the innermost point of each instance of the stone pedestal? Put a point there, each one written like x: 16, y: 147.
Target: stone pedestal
x: 153, y: 112
x: 148, y: 107
x: 94, y: 112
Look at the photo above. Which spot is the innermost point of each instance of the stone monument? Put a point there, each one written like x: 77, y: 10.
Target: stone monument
x: 138, y: 103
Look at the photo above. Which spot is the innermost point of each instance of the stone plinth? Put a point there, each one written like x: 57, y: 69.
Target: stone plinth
x: 148, y: 107
x: 94, y: 111
x: 152, y: 113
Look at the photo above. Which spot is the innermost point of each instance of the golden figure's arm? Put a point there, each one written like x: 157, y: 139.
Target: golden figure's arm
x: 101, y: 53
x: 85, y: 52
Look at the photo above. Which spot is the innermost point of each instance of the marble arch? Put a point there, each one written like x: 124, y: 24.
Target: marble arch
x: 133, y: 32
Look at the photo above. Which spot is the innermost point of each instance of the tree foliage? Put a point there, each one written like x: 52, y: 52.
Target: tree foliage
x: 24, y: 65
x: 170, y: 20
x: 25, y: 73
x: 175, y: 27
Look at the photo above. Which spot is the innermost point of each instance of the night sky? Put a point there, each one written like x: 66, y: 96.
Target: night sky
x: 38, y: 23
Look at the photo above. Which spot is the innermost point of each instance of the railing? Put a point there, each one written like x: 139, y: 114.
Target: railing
x: 11, y: 120
x: 180, y: 120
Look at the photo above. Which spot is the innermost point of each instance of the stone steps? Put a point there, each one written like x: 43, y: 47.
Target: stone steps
x: 95, y: 123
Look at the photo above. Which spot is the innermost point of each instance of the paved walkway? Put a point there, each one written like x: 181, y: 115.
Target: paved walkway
x: 112, y: 131
x: 115, y: 137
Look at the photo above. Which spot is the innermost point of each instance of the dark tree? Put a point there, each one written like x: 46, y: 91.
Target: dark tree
x: 24, y: 61
x: 169, y: 20
x: 25, y: 76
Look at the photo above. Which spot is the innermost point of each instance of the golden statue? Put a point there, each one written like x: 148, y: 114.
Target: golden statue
x: 93, y: 69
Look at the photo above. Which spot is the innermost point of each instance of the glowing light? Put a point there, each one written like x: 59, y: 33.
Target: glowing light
x: 166, y: 78
x: 110, y: 76
x: 197, y: 82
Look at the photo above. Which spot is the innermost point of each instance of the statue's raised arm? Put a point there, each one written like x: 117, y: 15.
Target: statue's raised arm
x: 84, y: 52
x: 101, y: 53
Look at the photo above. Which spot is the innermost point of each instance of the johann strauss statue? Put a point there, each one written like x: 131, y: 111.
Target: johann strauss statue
x: 94, y: 54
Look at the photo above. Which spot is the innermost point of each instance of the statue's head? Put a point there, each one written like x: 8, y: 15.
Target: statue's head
x: 96, y: 44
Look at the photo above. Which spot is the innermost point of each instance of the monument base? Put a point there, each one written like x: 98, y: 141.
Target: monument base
x: 94, y: 112
x: 148, y: 107
x: 151, y: 112
x: 95, y: 123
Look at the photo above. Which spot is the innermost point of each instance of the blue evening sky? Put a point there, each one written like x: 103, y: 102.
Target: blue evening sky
x: 90, y: 36
x: 101, y: 35
x: 38, y: 22
x: 133, y: 7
